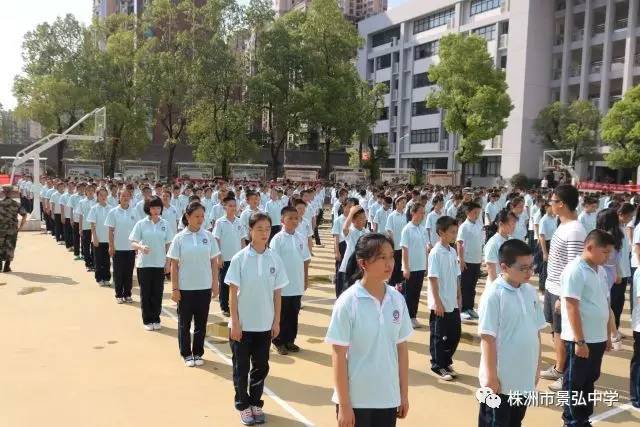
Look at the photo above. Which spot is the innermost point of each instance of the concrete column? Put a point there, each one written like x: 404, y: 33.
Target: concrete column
x: 566, y: 52
x: 630, y: 46
x: 585, y: 68
x: 404, y: 28
x: 606, y: 58
x: 457, y: 19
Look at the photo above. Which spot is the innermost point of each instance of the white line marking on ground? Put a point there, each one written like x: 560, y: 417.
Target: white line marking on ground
x: 613, y: 411
x: 297, y: 415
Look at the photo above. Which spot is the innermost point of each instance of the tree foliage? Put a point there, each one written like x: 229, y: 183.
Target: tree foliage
x: 621, y: 130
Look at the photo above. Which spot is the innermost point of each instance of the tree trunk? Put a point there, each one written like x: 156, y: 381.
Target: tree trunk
x: 462, y: 174
x: 111, y: 169
x: 60, y: 151
x: 172, y: 149
x: 327, y: 152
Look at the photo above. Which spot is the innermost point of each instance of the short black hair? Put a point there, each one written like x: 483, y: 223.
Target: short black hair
x: 228, y: 199
x: 444, y: 222
x: 569, y: 195
x: 511, y: 250
x: 600, y: 238
x: 415, y: 207
x: 288, y: 209
x: 155, y: 201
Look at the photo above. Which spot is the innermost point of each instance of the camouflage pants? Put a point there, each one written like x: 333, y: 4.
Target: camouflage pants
x: 8, y: 240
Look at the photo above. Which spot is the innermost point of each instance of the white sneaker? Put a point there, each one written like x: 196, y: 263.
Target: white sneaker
x: 120, y: 300
x: 473, y: 314
x: 556, y: 385
x: 258, y: 415
x: 148, y: 327
x: 128, y: 299
x: 157, y: 326
x: 188, y: 361
x: 551, y: 373
x: 415, y: 324
x: 465, y: 316
x: 246, y: 417
x: 199, y: 361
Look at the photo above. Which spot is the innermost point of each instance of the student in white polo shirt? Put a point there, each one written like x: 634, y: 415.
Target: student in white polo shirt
x: 469, y: 243
x: 304, y: 227
x: 292, y: 247
x: 395, y: 223
x: 432, y: 218
x: 169, y: 212
x: 120, y: 222
x: 634, y: 375
x: 100, y: 238
x: 510, y: 321
x: 382, y: 214
x: 586, y: 316
x: 546, y: 229
x: 369, y: 329
x: 490, y: 211
x: 228, y: 232
x: 517, y: 207
x: 194, y: 281
x: 444, y: 300
x: 84, y: 207
x: 414, y: 243
x: 339, y: 242
x: 273, y: 208
x: 253, y: 201
x: 151, y: 237
x: 506, y: 222
x: 353, y: 228
x: 54, y: 200
x: 256, y: 277
x: 74, y: 202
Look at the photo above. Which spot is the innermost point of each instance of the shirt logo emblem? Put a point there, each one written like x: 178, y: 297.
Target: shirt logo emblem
x: 396, y: 316
x: 164, y: 228
x: 204, y: 241
x: 132, y: 217
x: 272, y: 270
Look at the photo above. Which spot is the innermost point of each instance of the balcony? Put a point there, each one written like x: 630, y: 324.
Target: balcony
x: 556, y: 73
x: 596, y: 67
x: 503, y: 41
x: 595, y: 102
x: 617, y: 64
x: 496, y: 142
x: 613, y: 99
x: 577, y: 34
x: 558, y: 39
x: 620, y: 24
x: 575, y: 71
x: 598, y: 29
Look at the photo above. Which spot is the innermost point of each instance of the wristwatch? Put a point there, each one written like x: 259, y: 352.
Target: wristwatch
x: 581, y: 343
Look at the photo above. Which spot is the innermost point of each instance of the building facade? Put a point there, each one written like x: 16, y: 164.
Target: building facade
x: 14, y: 130
x: 550, y: 50
x: 353, y: 10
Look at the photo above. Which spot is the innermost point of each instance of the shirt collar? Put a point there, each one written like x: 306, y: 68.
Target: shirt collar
x: 362, y: 292
x: 252, y: 252
x: 501, y: 283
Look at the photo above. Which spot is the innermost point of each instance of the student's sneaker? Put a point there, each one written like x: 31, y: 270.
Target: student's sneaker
x: 199, y: 361
x: 226, y: 314
x: 443, y: 374
x: 102, y: 283
x: 465, y: 316
x: 556, y: 385
x: 452, y: 371
x: 128, y: 299
x: 189, y: 361
x: 148, y: 327
x: 157, y: 326
x: 77, y: 258
x: 246, y: 417
x: 91, y: 269
x: 258, y: 415
x: 551, y: 374
x: 415, y: 324
x: 120, y: 300
x: 281, y: 349
x: 473, y: 314
x: 292, y: 348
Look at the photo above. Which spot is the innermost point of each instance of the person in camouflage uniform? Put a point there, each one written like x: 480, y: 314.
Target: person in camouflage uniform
x: 9, y: 210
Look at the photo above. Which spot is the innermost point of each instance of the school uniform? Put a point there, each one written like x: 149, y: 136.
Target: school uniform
x: 491, y: 210
x: 84, y: 207
x: 170, y: 214
x: 273, y: 208
x: 372, y: 331
x: 336, y: 230
x: 216, y: 212
x: 445, y: 331
x: 102, y: 262
x: 229, y: 236
x: 256, y: 277
x: 588, y: 220
x: 113, y: 201
x: 295, y: 249
x: 139, y: 210
x: 580, y: 281
x: 413, y: 238
x: 122, y: 221
x: 520, y: 231
x: 432, y: 233
x: 380, y: 218
x: 74, y: 201
x: 151, y: 266
x: 634, y: 375
x: 193, y: 252
x: 472, y: 237
x: 546, y: 227
x: 245, y: 216
x: 351, y: 240
x: 395, y: 224
x: 67, y: 227
x: 619, y: 290
x: 54, y: 200
x: 491, y: 251
x: 514, y: 317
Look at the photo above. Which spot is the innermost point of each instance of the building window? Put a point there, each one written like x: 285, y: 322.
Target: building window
x: 488, y: 32
x: 376, y: 138
x: 434, y: 20
x: 384, y: 113
x: 425, y: 136
x: 426, y: 50
x: 383, y: 61
x: 385, y: 37
x: 421, y: 80
x: 434, y: 163
x: 479, y: 6
x: 487, y: 166
x: 421, y: 109
x: 472, y: 169
x: 493, y: 165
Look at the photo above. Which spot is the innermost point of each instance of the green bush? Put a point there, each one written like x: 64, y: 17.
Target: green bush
x: 520, y: 180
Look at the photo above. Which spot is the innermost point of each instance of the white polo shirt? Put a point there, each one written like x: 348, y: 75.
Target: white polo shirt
x: 588, y: 220
x: 97, y: 215
x: 547, y: 226
x: 514, y: 317
x: 395, y: 224
x: 55, y: 200
x: 380, y: 218
x: 444, y: 266
x: 471, y: 234
x: 432, y: 234
x: 273, y: 209
x: 84, y: 206
x: 352, y: 240
x: 294, y: 249
x: 122, y: 222
x: 257, y: 277
x: 172, y: 217
x: 491, y: 210
x: 194, y: 252
x: 520, y: 231
x: 305, y: 229
x: 624, y: 260
x: 590, y: 287
x: 634, y: 243
x: 372, y: 331
x: 229, y: 234
x: 156, y: 237
x: 415, y: 240
x: 66, y: 208
x: 635, y: 293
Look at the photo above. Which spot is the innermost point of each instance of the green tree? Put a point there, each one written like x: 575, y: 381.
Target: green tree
x: 52, y: 89
x: 575, y: 127
x: 473, y: 93
x: 621, y: 130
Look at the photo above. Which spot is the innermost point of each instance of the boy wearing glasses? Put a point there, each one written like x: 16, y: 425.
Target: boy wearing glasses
x: 511, y: 318
x: 567, y: 243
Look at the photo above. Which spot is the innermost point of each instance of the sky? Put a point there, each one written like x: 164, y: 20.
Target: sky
x: 24, y: 15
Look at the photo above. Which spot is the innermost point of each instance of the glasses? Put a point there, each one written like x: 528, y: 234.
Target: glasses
x: 524, y: 268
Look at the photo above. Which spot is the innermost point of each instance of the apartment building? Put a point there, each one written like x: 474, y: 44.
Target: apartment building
x: 354, y: 10
x: 550, y: 50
